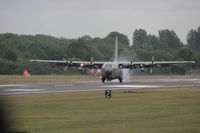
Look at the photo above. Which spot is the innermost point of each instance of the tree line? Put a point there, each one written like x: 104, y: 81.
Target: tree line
x: 17, y: 50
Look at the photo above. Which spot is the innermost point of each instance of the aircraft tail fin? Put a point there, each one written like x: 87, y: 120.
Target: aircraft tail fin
x: 116, y: 50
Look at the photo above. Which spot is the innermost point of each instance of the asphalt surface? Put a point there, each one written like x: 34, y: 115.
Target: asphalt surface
x: 79, y: 86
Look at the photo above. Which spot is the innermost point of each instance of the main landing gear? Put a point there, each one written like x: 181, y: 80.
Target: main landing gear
x: 120, y: 80
x: 103, y: 79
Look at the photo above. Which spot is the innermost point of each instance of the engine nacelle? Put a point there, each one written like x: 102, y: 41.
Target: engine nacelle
x: 142, y: 69
x: 132, y: 65
x: 68, y: 65
x: 91, y: 65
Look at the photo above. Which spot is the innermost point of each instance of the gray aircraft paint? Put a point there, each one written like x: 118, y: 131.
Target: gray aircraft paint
x: 112, y: 70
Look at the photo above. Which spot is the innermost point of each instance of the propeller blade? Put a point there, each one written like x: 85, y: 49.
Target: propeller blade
x: 152, y: 64
x: 66, y: 68
x: 151, y: 70
x: 91, y: 63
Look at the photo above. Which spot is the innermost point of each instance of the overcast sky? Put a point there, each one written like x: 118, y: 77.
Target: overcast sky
x: 97, y: 18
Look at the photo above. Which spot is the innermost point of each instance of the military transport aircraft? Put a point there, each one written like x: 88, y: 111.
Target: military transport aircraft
x: 113, y: 70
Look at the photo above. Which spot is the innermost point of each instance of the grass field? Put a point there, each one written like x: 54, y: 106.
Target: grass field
x: 141, y: 111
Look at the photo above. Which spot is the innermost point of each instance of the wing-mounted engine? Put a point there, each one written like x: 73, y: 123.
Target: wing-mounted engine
x: 131, y: 65
x: 153, y: 65
x: 142, y: 68
x: 91, y: 63
x: 85, y: 64
x: 143, y: 65
x: 137, y: 65
x: 68, y: 64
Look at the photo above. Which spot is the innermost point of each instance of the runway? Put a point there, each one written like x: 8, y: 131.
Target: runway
x: 80, y: 86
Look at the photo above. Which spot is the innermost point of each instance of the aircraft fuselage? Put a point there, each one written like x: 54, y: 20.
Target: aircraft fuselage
x: 110, y: 71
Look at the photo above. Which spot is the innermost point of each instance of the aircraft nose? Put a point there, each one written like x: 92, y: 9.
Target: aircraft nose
x: 108, y: 72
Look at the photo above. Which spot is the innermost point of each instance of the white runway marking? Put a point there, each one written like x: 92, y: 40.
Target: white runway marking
x: 11, y: 85
x: 24, y: 90
x: 61, y: 85
x: 87, y: 81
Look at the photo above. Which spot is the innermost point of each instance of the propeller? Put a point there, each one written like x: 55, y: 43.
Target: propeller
x: 142, y: 68
x: 152, y: 64
x: 131, y: 66
x: 68, y: 64
x: 65, y: 68
x: 91, y: 62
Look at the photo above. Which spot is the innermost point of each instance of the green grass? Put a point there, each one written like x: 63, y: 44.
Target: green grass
x: 141, y: 111
x: 12, y: 79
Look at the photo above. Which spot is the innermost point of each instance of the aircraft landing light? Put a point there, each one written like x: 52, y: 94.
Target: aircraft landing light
x: 81, y: 65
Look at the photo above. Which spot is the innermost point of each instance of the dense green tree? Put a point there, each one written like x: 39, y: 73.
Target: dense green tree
x: 123, y: 39
x: 86, y: 37
x: 153, y: 42
x: 10, y: 55
x: 8, y: 67
x: 159, y: 55
x: 140, y: 39
x: 185, y: 54
x: 193, y: 39
x: 82, y: 49
x: 169, y: 40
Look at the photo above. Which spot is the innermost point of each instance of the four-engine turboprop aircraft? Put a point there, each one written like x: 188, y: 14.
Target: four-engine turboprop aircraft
x: 113, y: 70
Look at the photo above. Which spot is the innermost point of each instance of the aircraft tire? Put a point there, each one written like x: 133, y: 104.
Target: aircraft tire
x: 120, y: 80
x: 103, y: 80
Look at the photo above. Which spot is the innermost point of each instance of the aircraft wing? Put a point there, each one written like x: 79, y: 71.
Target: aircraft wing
x: 66, y: 63
x: 150, y: 64
x: 98, y: 64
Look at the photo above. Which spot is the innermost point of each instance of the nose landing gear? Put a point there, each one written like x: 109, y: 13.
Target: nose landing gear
x: 120, y: 80
x: 103, y: 79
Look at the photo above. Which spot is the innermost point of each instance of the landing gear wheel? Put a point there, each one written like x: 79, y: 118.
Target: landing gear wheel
x: 103, y: 80
x: 120, y: 80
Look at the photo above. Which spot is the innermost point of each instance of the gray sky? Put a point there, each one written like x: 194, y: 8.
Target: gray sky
x: 97, y: 18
